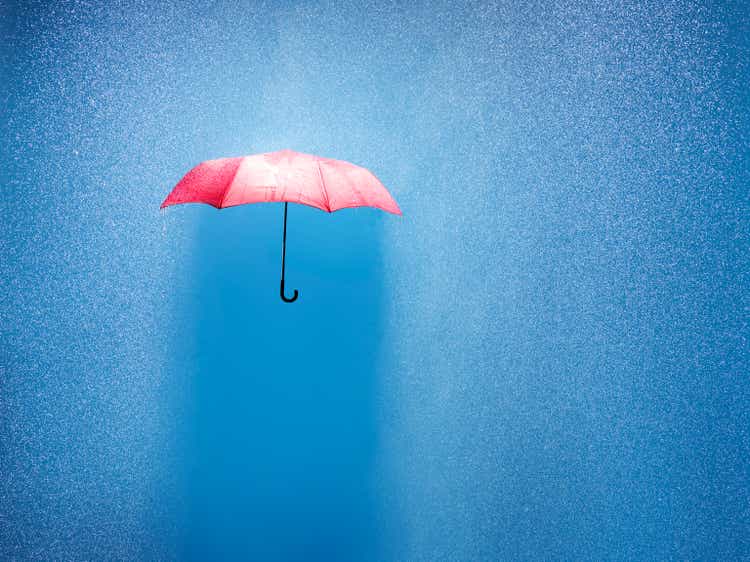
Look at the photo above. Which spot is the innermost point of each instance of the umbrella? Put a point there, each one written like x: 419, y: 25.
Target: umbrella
x: 284, y: 176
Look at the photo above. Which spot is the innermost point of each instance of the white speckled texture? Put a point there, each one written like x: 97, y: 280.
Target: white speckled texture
x: 564, y: 358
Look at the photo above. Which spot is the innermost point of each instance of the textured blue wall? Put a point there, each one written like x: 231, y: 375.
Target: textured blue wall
x: 546, y: 357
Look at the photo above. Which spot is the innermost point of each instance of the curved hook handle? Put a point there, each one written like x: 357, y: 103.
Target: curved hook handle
x: 284, y: 297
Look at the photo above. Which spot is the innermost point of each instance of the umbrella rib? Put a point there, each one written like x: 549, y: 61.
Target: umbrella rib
x: 323, y: 185
x: 229, y: 185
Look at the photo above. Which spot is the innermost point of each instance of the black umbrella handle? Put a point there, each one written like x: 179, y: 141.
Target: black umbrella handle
x: 284, y: 297
x: 283, y: 263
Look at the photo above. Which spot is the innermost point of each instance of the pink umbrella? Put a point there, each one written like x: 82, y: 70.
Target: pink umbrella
x: 288, y: 176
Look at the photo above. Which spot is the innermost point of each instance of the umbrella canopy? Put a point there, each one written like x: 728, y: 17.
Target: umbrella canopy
x: 284, y: 176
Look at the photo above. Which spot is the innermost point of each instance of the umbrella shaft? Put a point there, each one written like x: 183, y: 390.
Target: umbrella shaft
x: 283, y: 264
x: 283, y: 246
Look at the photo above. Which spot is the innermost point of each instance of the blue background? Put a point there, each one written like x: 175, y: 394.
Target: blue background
x: 546, y: 357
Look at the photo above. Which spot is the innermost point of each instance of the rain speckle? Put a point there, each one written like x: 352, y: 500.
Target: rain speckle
x: 546, y: 357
